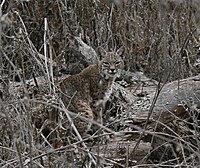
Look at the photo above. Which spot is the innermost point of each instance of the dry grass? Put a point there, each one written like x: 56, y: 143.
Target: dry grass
x: 35, y: 41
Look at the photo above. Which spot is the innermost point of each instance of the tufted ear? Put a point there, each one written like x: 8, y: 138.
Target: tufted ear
x: 102, y: 52
x: 120, y: 51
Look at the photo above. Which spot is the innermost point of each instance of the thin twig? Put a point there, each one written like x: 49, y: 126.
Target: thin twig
x: 76, y: 132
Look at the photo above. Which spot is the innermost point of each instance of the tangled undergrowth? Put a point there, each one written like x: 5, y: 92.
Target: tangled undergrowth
x: 37, y: 47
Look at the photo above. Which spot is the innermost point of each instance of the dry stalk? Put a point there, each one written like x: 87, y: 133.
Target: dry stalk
x: 77, y: 133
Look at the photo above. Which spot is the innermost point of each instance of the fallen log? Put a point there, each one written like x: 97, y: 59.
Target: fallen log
x: 177, y: 97
x: 176, y: 122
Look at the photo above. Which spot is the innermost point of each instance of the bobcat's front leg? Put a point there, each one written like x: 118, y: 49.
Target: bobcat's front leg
x: 97, y: 109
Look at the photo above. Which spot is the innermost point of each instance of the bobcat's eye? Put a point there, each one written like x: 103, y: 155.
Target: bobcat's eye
x: 106, y: 63
x: 117, y: 63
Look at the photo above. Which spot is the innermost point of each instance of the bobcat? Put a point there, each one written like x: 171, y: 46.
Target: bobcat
x: 87, y: 92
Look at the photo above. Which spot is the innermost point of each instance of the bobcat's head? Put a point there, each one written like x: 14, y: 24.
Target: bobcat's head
x: 111, y: 64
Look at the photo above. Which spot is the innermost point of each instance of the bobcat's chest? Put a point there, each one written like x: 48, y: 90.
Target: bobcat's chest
x: 103, y: 94
x: 107, y: 94
x: 103, y: 99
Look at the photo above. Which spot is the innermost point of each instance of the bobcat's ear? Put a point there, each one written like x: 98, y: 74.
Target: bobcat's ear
x: 102, y: 52
x: 120, y: 51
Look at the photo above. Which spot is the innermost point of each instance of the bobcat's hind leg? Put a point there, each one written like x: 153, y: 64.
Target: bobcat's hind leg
x: 84, y: 110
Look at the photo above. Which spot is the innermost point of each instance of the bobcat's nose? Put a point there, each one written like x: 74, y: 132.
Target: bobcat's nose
x: 112, y: 70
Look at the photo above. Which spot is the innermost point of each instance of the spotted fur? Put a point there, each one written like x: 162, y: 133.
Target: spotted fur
x: 87, y: 92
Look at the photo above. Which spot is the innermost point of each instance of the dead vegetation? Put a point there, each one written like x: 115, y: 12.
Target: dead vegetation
x: 149, y: 121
